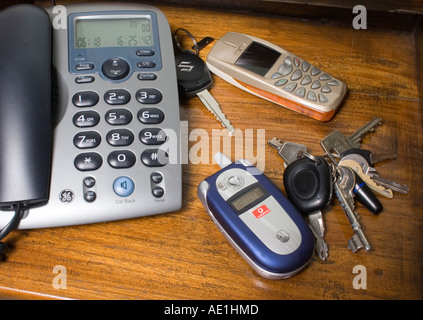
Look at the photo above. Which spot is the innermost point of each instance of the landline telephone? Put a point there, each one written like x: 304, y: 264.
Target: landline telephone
x: 89, y: 116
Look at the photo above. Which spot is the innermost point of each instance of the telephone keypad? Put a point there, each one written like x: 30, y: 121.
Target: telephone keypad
x: 293, y: 72
x: 117, y: 69
x: 119, y: 137
x: 122, y: 137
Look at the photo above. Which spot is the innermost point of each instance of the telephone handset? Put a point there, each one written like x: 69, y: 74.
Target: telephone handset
x: 25, y: 111
x: 111, y: 149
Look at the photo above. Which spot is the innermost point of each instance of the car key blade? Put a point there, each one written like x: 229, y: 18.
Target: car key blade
x: 318, y: 227
x: 213, y: 106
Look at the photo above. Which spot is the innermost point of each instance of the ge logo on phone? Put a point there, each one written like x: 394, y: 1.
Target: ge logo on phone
x: 66, y: 196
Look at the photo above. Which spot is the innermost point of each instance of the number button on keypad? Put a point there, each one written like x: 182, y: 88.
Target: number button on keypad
x: 117, y: 97
x: 85, y: 119
x: 120, y: 137
x: 153, y: 136
x: 151, y: 116
x: 149, y: 96
x: 155, y: 158
x: 121, y: 159
x: 85, y: 99
x: 118, y: 117
x: 88, y: 161
x: 87, y: 140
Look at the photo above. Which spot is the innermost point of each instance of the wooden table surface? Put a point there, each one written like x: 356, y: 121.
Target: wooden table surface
x: 182, y: 255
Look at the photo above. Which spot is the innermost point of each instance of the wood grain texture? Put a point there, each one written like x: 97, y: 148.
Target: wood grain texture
x: 182, y: 255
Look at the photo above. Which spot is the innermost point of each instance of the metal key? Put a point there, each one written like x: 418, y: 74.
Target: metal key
x: 370, y: 126
x: 343, y: 187
x: 375, y: 178
x: 394, y: 186
x: 370, y: 157
x: 364, y: 186
x: 366, y: 178
x: 317, y: 226
x: 213, y: 106
x: 338, y: 143
x: 287, y: 150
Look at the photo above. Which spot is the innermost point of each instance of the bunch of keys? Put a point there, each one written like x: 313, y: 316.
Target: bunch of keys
x: 310, y: 182
x: 348, y: 150
x: 194, y: 78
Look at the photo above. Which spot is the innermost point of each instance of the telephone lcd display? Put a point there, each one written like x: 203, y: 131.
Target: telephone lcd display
x: 246, y: 198
x: 119, y: 32
x: 258, y: 58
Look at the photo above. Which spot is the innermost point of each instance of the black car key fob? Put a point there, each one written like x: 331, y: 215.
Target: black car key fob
x: 192, y: 74
x: 308, y: 184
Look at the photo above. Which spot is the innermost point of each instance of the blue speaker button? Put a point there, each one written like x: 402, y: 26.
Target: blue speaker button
x: 123, y: 186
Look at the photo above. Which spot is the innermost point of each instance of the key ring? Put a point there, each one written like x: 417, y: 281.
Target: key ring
x: 175, y: 36
x: 311, y: 157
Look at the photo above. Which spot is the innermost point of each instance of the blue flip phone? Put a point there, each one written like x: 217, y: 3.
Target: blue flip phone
x: 257, y: 220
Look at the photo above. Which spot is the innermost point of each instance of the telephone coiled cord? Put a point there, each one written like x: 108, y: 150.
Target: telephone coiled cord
x: 12, y: 225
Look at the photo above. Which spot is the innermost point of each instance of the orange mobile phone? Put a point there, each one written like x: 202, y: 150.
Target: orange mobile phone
x: 272, y: 73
